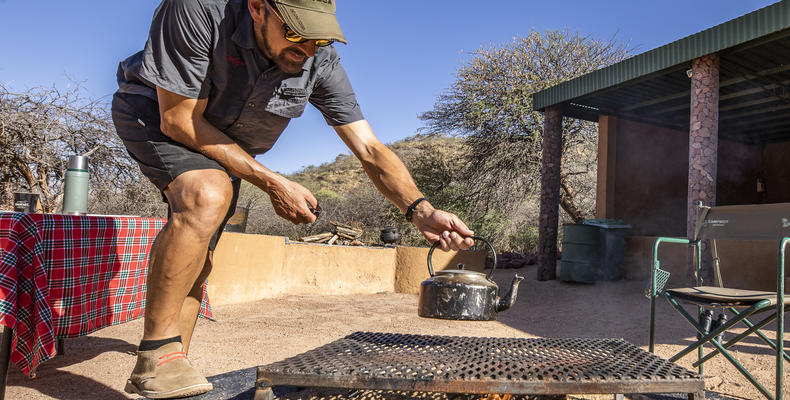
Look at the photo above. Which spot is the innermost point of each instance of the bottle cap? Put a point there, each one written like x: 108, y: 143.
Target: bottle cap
x: 78, y: 162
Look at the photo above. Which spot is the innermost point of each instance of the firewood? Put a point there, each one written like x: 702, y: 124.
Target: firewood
x: 346, y: 236
x: 318, y: 237
x: 353, y: 233
x: 338, y: 224
x: 332, y: 240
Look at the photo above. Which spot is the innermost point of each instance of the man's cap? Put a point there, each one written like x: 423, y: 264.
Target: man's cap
x: 311, y: 19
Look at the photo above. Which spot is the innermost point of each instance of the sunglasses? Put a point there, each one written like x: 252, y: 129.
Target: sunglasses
x: 291, y: 35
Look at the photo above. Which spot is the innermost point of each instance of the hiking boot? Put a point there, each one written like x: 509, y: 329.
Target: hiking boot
x: 166, y: 373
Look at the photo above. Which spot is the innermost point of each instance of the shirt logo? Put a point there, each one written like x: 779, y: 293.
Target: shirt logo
x: 236, y: 61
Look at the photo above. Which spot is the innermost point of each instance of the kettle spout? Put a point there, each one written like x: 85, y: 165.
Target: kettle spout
x: 506, y: 302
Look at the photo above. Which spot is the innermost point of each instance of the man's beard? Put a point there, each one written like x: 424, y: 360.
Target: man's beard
x: 285, y: 63
x: 288, y: 65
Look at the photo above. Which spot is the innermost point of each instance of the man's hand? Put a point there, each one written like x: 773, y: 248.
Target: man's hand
x: 183, y: 121
x: 447, y: 228
x: 396, y: 184
x: 292, y: 201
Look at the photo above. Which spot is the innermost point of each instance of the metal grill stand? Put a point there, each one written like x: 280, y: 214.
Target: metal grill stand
x: 475, y: 365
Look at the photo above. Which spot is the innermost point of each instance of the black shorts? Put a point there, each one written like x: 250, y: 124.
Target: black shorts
x: 161, y: 159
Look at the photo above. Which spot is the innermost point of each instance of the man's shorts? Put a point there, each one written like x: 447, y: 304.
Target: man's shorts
x: 160, y: 158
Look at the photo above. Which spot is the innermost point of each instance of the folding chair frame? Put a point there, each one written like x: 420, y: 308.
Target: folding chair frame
x: 710, y: 337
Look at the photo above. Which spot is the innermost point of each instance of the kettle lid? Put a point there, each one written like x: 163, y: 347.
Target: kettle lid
x: 458, y: 272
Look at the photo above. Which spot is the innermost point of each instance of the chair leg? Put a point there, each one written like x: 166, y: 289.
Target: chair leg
x: 705, y: 321
x: 707, y: 337
x: 780, y: 323
x: 711, y: 338
x: 652, y: 324
x: 752, y: 329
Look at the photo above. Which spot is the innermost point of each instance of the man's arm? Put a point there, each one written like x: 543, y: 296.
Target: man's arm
x: 393, y: 180
x: 182, y: 120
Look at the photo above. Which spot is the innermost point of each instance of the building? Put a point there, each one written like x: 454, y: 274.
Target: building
x: 703, y: 119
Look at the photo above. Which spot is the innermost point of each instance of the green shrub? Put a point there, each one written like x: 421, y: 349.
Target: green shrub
x: 525, y: 241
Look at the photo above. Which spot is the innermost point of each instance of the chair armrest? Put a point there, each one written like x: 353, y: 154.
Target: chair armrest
x: 651, y: 291
x: 656, y: 264
x: 780, y: 270
x: 660, y: 240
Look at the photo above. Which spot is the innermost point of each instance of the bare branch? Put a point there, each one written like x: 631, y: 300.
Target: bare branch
x: 41, y: 127
x: 490, y: 105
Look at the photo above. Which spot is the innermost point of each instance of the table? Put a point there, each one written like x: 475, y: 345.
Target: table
x: 64, y: 276
x: 455, y: 364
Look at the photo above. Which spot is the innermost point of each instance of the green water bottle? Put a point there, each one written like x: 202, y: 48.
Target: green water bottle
x: 75, y: 187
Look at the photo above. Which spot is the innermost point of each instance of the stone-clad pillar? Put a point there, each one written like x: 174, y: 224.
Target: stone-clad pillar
x: 550, y: 193
x: 703, y: 143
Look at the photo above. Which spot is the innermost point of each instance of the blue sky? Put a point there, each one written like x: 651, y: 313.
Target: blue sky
x: 401, y: 54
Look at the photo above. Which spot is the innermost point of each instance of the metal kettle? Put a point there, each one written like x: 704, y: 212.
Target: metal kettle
x: 464, y: 295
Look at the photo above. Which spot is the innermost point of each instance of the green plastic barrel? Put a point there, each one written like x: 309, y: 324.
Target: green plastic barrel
x: 612, y: 247
x: 581, y: 253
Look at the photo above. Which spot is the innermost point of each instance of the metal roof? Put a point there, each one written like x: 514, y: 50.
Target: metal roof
x: 652, y: 87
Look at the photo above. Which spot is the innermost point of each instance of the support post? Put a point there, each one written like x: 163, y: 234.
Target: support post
x: 607, y: 161
x: 550, y: 193
x: 703, y: 151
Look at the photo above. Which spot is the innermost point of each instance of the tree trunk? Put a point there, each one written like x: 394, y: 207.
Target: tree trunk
x: 567, y: 200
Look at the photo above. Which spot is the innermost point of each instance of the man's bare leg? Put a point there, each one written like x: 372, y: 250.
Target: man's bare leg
x: 199, y: 201
x: 191, y: 307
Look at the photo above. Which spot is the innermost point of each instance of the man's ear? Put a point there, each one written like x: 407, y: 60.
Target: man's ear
x: 257, y: 10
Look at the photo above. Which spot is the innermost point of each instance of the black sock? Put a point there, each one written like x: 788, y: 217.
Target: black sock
x: 146, y: 345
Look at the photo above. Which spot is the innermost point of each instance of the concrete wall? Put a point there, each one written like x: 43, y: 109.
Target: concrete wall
x: 246, y: 267
x: 740, y: 165
x: 253, y: 267
x: 411, y: 265
x: 315, y: 268
x: 651, y: 178
x: 643, y: 175
x: 642, y: 179
x: 744, y: 265
x: 777, y: 173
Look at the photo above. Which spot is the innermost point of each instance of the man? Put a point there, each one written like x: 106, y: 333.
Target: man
x: 217, y: 83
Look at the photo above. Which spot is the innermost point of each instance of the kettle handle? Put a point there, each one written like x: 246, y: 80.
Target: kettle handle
x: 490, y: 274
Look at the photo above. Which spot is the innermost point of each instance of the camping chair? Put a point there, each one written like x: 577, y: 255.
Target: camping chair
x: 746, y: 222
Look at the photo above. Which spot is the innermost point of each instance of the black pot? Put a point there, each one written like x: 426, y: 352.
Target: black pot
x: 390, y: 235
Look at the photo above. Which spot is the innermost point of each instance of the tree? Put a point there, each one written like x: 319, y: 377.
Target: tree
x: 490, y: 105
x: 41, y: 127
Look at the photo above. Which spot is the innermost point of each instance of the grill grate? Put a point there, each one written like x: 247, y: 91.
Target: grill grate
x: 365, y: 360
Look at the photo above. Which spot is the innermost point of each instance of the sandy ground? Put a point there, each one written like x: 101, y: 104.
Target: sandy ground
x: 251, y: 334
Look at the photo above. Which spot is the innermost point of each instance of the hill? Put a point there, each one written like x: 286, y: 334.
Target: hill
x: 347, y: 195
x: 345, y: 173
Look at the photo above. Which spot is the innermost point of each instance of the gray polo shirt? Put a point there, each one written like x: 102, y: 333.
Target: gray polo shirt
x: 206, y: 49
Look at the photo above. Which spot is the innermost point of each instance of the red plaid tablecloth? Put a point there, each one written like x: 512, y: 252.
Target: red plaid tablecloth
x: 66, y: 276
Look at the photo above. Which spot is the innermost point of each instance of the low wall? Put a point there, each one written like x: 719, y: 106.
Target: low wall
x: 411, y: 265
x: 744, y: 264
x: 253, y: 267
x: 321, y: 268
x: 246, y: 267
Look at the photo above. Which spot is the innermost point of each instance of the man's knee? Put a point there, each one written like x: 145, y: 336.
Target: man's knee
x: 200, y: 199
